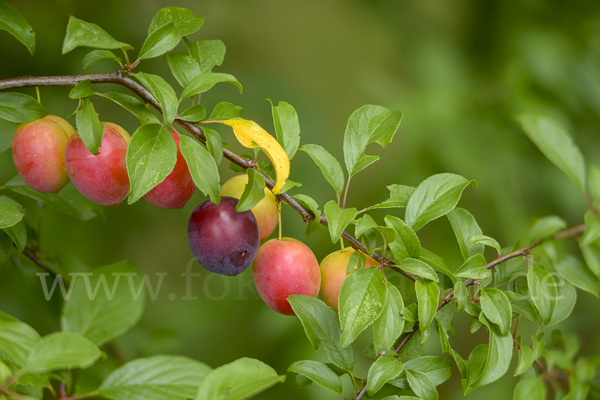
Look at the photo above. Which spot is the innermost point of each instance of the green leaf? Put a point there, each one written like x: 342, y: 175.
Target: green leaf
x: 10, y: 212
x: 16, y: 339
x: 434, y: 197
x: 368, y: 223
x: 546, y: 226
x: 460, y: 294
x: 287, y: 127
x: 475, y: 367
x: 521, y: 304
x: 160, y: 41
x: 225, y: 110
x: 438, y: 369
x: 203, y: 83
x: 5, y: 247
x: 105, y: 303
x: 330, y: 167
x: 183, y: 67
x: 383, y: 370
x: 557, y: 145
x: 368, y: 124
x: 61, y: 350
x: 405, y: 234
x: 465, y: 228
x: 592, y: 230
x: 525, y: 359
x: 399, y: 196
x: 184, y: 20
x: 82, y: 89
x: 193, y: 114
x: 163, y: 92
x: 238, y: 380
x: 486, y: 241
x: 473, y: 268
x: 498, y: 357
x: 437, y: 262
x: 338, y: 219
x: 594, y: 183
x: 427, y: 300
x: 496, y: 308
x: 388, y: 327
x: 568, y: 297
x: 133, y: 105
x: 81, y: 33
x: 318, y: 373
x: 214, y: 144
x: 19, y: 108
x: 421, y: 384
x: 96, y: 56
x: 254, y: 191
x: 288, y: 185
x: 202, y: 167
x: 321, y: 323
x: 18, y: 234
x: 13, y: 22
x: 543, y: 292
x: 151, y: 157
x: 158, y: 378
x: 578, y: 274
x: 418, y: 268
x: 89, y: 127
x: 361, y: 300
x: 530, y: 389
x: 207, y: 53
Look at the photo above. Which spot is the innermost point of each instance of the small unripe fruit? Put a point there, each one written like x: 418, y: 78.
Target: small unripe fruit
x: 333, y: 272
x: 266, y: 209
x: 38, y: 150
x: 177, y: 188
x: 223, y: 240
x: 283, y: 268
x: 100, y: 178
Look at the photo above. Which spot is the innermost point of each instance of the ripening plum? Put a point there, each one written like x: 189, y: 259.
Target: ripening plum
x: 283, y: 268
x: 223, y: 240
x: 177, y: 188
x: 333, y: 273
x: 266, y: 209
x: 38, y: 150
x: 101, y: 178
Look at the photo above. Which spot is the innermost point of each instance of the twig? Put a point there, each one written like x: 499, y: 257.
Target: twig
x: 29, y: 253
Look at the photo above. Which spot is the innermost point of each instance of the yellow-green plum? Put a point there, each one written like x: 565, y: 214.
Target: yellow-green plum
x: 38, y: 150
x: 283, y: 268
x: 266, y: 209
x: 333, y: 273
x: 101, y: 178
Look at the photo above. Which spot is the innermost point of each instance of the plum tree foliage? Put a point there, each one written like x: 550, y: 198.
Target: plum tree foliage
x: 496, y: 293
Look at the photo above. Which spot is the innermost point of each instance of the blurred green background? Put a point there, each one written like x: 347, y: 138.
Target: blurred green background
x: 459, y: 70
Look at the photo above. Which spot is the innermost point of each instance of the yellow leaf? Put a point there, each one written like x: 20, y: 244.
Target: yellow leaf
x: 251, y: 135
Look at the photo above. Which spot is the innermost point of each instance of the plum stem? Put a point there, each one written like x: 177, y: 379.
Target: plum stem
x: 37, y: 92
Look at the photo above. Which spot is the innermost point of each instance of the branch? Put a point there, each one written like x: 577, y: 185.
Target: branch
x: 29, y: 253
x: 120, y: 79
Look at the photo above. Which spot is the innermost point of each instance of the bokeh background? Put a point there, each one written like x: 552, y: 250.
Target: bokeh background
x: 459, y: 70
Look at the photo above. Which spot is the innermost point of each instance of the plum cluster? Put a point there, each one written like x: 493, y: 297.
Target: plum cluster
x: 48, y: 153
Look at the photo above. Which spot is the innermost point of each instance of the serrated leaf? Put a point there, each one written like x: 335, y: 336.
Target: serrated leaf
x: 399, y: 196
x: 578, y: 274
x: 104, y: 304
x: 486, y: 241
x: 546, y: 226
x: 13, y: 22
x: 543, y: 292
x: 330, y: 167
x: 96, y: 56
x: 151, y: 157
x: 183, y: 67
x: 406, y: 235
x: 383, y: 370
x: 89, y: 127
x: 473, y: 268
x: 434, y: 197
x: 61, y: 350
x: 163, y: 92
x: 287, y: 127
x: 419, y: 268
x: 214, y: 144
x: 239, y: 380
x: 368, y: 124
x: 388, y: 327
x: 465, y: 228
x: 207, y: 53
x: 16, y: 339
x: 18, y: 234
x: 82, y: 89
x: 318, y: 373
x: 193, y: 114
x: 496, y: 307
x: 19, y: 108
x: 159, y: 377
x: 530, y: 389
x: 522, y: 305
x: 225, y: 110
x: 81, y: 33
x: 10, y: 212
x: 460, y: 294
x: 205, y: 82
x: 525, y: 359
x: 254, y: 191
x: 361, y: 300
x: 428, y: 293
x: 202, y: 167
x: 160, y: 41
x: 498, y: 356
x: 133, y: 105
x: 184, y: 20
x: 421, y: 384
x: 251, y: 135
x: 557, y: 145
x: 338, y: 219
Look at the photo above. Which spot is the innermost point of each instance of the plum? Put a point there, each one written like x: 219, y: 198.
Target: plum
x: 223, y: 240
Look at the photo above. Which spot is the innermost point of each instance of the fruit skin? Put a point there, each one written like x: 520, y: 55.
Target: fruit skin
x: 283, y: 268
x: 333, y: 273
x: 223, y: 240
x: 177, y: 188
x: 266, y: 209
x: 38, y: 149
x: 101, y: 178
